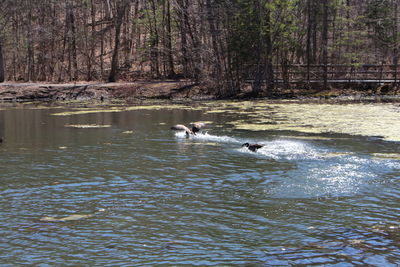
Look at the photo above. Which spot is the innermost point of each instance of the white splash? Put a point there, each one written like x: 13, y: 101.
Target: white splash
x: 285, y: 150
x: 208, y: 137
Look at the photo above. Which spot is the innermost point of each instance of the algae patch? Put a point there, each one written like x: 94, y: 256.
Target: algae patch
x: 336, y: 154
x: 383, y: 156
x: 74, y: 217
x: 122, y: 109
x: 202, y: 122
x: 202, y: 143
x: 316, y: 138
x: 354, y: 119
x: 87, y: 126
x: 87, y: 111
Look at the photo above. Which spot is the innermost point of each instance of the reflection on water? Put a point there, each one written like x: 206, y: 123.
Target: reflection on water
x: 137, y: 193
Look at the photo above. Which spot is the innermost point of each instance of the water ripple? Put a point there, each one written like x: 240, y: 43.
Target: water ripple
x: 156, y: 197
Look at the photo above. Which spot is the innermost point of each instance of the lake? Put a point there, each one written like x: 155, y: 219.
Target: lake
x: 111, y: 184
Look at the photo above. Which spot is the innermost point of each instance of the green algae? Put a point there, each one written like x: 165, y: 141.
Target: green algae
x: 202, y: 143
x: 383, y: 156
x: 74, y: 217
x: 337, y: 154
x: 87, y: 126
x: 217, y: 111
x: 86, y: 111
x: 322, y: 138
x: 381, y: 120
x: 41, y: 107
x: 31, y: 103
x: 205, y: 122
x: 377, y: 120
x: 82, y: 111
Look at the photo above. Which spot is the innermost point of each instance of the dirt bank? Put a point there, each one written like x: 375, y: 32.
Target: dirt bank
x: 170, y: 89
x: 85, y: 90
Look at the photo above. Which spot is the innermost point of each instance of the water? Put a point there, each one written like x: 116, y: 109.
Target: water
x: 149, y: 196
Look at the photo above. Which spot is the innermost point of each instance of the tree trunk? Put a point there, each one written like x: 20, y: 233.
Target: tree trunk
x: 395, y: 45
x: 325, y: 44
x: 136, y: 33
x: 121, y: 5
x: 30, y: 52
x: 308, y: 52
x: 260, y: 67
x: 181, y: 11
x: 216, y: 53
x: 102, y: 44
x: 2, y: 71
x: 71, y: 38
x: 128, y: 39
x: 314, y: 25
x: 154, y: 41
x: 168, y: 42
x: 73, y: 45
x: 269, y: 78
x: 42, y: 50
x: 92, y: 43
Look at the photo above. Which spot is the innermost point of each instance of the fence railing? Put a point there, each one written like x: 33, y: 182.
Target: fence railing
x: 337, y: 73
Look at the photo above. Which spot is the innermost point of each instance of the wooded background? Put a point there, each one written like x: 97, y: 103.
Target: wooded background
x: 221, y: 44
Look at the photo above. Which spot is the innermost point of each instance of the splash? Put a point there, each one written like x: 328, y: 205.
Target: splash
x: 290, y: 150
x: 285, y: 150
x: 206, y: 137
x: 318, y: 171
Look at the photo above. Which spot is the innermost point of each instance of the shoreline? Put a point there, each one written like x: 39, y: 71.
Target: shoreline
x: 46, y: 92
x: 175, y: 90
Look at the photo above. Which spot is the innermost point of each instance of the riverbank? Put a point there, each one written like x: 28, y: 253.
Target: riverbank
x: 20, y: 92
x: 170, y: 89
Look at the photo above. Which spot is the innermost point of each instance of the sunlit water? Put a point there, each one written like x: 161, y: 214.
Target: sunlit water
x: 146, y: 195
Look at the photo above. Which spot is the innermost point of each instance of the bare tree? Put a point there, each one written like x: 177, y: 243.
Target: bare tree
x: 223, y: 45
x: 121, y: 5
x: 2, y: 73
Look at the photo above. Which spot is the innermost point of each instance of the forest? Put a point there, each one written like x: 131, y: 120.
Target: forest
x: 220, y: 44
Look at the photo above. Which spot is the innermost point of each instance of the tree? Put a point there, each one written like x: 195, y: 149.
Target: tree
x: 168, y: 40
x: 324, y: 42
x: 223, y: 45
x: 121, y: 5
x: 2, y: 73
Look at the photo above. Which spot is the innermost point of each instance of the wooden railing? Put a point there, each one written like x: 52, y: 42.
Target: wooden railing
x: 337, y: 73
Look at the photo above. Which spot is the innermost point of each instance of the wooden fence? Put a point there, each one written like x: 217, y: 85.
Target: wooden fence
x: 337, y: 73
